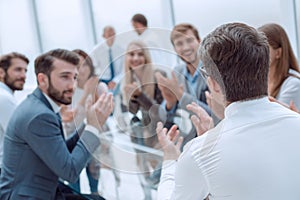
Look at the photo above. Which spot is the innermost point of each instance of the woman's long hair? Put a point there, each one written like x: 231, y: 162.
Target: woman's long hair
x: 147, y: 81
x: 278, y: 38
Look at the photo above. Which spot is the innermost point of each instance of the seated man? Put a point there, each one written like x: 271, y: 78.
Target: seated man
x: 253, y: 152
x: 36, y: 153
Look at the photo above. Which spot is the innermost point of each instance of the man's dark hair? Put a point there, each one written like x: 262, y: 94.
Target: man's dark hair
x: 5, y: 60
x: 44, y: 63
x: 237, y: 57
x: 140, y: 19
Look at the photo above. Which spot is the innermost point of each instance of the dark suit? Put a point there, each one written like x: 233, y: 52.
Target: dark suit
x: 36, y: 153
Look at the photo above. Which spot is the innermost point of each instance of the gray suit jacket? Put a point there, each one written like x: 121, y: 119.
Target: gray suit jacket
x: 36, y: 153
x: 190, y: 95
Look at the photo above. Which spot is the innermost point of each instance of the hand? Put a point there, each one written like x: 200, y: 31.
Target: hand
x: 132, y: 90
x: 292, y: 105
x: 111, y: 85
x: 90, y: 85
x: 216, y: 107
x: 168, y: 95
x: 172, y: 84
x: 67, y: 114
x: 202, y: 121
x: 167, y: 140
x: 98, y: 112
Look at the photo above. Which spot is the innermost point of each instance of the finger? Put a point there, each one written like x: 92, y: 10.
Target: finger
x: 179, y: 142
x: 111, y: 102
x: 172, y: 132
x: 157, y: 75
x: 196, y: 122
x: 272, y: 99
x: 199, y: 111
x: 174, y: 78
x: 293, y: 106
x: 208, y: 98
x: 88, y: 102
x: 159, y: 128
x: 107, y: 104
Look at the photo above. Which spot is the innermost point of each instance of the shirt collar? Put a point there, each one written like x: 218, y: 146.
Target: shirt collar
x: 6, y: 88
x: 235, y: 107
x: 196, y: 74
x: 54, y: 106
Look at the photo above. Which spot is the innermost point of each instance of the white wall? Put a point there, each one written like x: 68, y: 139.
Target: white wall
x: 67, y: 23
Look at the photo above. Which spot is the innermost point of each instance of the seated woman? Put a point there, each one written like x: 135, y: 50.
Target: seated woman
x: 284, y: 74
x: 140, y: 91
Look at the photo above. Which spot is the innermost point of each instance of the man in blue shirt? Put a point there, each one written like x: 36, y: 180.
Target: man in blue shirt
x: 186, y: 85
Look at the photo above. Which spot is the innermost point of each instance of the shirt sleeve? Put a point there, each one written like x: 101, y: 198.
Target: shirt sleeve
x: 167, y: 180
x: 183, y: 180
x: 7, y: 107
x: 290, y: 91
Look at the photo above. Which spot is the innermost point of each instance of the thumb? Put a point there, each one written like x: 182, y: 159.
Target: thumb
x: 88, y: 103
x: 174, y: 76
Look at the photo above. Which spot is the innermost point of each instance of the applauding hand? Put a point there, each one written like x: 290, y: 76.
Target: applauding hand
x: 170, y: 141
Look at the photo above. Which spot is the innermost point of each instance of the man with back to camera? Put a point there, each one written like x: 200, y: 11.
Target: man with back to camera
x: 35, y: 151
x: 13, y: 68
x: 252, y: 153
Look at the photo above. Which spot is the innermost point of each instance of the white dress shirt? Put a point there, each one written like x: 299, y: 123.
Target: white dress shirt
x: 8, y: 104
x: 252, y: 154
x: 290, y: 89
x: 100, y: 57
x: 56, y: 109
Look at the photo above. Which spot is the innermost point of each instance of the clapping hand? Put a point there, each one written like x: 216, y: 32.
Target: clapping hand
x: 170, y: 89
x: 169, y: 140
x: 98, y: 112
x: 202, y: 121
x: 132, y: 89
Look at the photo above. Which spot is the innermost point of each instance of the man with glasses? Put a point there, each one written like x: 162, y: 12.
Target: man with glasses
x: 253, y: 152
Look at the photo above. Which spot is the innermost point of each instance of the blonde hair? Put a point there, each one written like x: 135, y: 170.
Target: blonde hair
x: 147, y: 81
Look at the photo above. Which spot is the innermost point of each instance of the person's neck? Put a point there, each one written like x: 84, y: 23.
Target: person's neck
x: 192, y: 67
x: 139, y: 73
x: 141, y: 30
x: 12, y: 90
x: 109, y: 43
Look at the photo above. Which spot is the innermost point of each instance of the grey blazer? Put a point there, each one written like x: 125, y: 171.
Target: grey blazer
x: 189, y: 94
x: 36, y: 153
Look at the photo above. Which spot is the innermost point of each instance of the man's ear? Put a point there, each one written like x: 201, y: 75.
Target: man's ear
x: 43, y: 81
x: 213, y: 85
x: 2, y: 75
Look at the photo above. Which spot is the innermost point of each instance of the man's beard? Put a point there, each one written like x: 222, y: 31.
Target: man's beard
x: 11, y: 83
x: 59, y: 96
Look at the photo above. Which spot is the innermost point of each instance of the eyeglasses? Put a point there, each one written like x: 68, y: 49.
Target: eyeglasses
x: 204, y: 73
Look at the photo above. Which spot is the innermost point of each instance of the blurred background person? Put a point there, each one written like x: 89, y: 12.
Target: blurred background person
x: 157, y: 40
x: 74, y: 115
x: 284, y: 75
x: 13, y: 68
x: 142, y: 98
x: 186, y: 85
x: 108, y: 59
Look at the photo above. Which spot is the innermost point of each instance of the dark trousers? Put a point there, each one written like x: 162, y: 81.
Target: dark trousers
x: 67, y: 193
